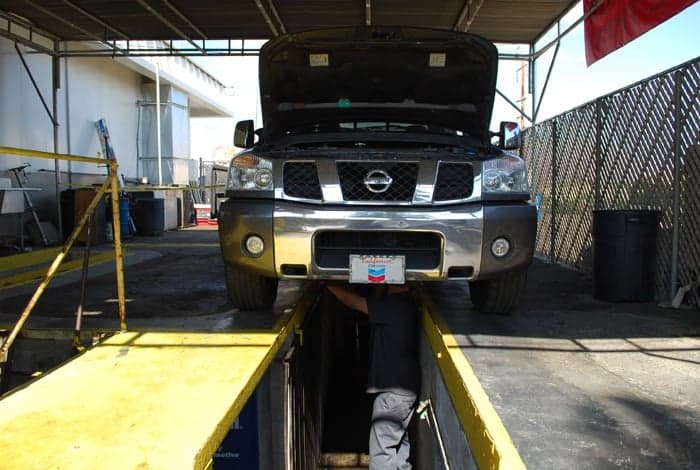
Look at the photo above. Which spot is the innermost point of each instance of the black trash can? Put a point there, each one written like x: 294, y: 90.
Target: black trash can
x: 149, y: 216
x: 624, y: 254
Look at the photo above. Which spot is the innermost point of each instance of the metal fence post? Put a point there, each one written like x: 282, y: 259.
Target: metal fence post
x: 675, y: 236
x: 553, y: 225
x: 598, y: 152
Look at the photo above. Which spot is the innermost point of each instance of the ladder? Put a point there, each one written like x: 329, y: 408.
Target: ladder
x: 108, y: 152
x: 28, y: 202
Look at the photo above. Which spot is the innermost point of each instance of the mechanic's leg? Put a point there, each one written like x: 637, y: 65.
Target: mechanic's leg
x: 404, y: 450
x: 388, y: 442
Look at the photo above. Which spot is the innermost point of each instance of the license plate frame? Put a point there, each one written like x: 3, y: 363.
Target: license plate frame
x: 377, y: 269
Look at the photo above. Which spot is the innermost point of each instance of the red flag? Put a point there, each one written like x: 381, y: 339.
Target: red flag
x: 617, y: 22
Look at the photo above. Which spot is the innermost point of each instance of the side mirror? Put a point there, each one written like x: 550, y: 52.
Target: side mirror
x: 509, y: 136
x: 244, y: 135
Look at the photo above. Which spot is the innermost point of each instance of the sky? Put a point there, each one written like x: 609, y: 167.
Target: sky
x: 572, y: 83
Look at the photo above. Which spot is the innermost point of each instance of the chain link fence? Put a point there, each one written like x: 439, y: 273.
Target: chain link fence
x: 637, y: 148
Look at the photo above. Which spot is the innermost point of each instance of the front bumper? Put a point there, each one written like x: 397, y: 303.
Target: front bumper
x: 465, y: 233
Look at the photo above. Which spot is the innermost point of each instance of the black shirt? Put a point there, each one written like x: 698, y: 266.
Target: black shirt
x: 393, y: 343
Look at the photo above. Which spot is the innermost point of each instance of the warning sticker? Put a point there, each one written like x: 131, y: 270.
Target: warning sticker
x: 318, y: 60
x: 437, y: 59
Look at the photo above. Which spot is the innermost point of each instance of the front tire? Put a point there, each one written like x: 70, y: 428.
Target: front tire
x: 498, y: 295
x: 249, y: 291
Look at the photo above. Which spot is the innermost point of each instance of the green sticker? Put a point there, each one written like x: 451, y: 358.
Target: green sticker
x: 343, y: 103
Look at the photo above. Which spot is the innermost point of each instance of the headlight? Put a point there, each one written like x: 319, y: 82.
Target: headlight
x: 248, y: 171
x: 504, y: 175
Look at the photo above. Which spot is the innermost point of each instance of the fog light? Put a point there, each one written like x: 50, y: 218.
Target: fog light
x: 500, y: 247
x: 263, y: 178
x: 255, y: 245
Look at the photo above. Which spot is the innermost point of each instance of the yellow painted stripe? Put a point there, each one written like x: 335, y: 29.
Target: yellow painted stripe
x: 489, y: 440
x: 23, y: 260
x: 158, y: 400
x: 36, y: 274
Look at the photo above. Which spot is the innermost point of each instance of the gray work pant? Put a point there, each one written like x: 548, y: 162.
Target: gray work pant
x: 388, y: 436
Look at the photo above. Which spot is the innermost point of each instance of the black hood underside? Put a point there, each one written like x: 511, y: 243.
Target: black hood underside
x: 422, y: 76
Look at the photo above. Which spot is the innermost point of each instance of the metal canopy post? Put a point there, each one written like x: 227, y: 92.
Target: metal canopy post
x: 56, y: 81
x: 531, y: 83
x: 676, y: 219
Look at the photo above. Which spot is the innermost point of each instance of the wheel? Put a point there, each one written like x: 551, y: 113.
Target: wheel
x: 249, y: 291
x: 500, y: 294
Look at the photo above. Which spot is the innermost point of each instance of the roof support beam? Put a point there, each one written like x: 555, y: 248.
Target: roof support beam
x: 515, y: 106
x: 560, y: 35
x: 546, y: 81
x: 276, y: 14
x: 467, y: 15
x: 368, y: 12
x: 182, y: 16
x: 166, y: 22
x: 97, y: 20
x: 51, y: 115
x: 72, y: 25
x: 17, y: 30
x: 266, y: 15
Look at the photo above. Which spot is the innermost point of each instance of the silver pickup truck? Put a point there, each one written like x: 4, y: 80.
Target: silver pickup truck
x: 375, y: 164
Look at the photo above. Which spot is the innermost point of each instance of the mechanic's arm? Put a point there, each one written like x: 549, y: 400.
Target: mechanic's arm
x: 349, y: 299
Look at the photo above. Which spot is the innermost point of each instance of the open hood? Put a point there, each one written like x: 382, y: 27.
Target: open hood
x: 372, y: 73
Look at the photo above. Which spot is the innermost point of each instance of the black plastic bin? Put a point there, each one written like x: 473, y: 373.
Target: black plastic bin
x: 149, y: 216
x: 624, y: 254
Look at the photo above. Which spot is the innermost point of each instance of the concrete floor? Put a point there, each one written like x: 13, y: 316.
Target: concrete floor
x: 586, y: 384
x: 577, y: 382
x: 174, y: 281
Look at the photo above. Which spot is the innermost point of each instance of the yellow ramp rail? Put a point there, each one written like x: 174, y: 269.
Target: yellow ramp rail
x: 140, y: 400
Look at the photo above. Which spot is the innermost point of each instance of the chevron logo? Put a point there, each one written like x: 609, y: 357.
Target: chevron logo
x: 376, y: 273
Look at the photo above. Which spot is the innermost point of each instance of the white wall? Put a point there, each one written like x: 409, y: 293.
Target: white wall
x: 101, y: 88
x: 90, y: 89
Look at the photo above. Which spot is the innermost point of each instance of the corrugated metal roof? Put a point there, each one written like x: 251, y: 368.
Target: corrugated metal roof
x: 515, y: 21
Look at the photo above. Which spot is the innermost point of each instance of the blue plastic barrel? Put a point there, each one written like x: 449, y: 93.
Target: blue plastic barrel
x: 124, y: 224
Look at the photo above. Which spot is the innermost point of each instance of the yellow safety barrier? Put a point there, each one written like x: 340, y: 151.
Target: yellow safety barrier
x: 491, y: 445
x: 111, y: 184
x: 132, y: 189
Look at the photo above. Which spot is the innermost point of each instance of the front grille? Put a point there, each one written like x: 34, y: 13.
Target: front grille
x: 332, y: 249
x: 454, y: 181
x: 300, y: 179
x: 353, y: 175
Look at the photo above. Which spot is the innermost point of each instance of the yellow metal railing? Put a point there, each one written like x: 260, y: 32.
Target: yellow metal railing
x: 491, y: 446
x: 110, y: 185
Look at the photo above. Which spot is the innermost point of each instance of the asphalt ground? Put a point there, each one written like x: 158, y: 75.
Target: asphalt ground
x: 578, y: 383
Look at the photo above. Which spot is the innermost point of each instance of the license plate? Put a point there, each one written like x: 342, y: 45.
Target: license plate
x: 371, y: 269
